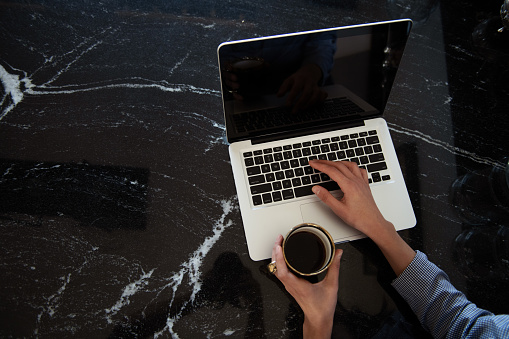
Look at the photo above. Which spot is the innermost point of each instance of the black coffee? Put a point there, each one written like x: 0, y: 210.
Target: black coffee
x: 305, y: 252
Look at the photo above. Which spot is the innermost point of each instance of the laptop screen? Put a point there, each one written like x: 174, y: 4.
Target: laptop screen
x: 297, y: 83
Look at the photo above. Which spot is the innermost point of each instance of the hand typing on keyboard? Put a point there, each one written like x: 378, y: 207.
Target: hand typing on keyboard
x: 357, y: 207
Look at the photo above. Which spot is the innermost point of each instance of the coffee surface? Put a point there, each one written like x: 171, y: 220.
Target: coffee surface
x: 305, y: 252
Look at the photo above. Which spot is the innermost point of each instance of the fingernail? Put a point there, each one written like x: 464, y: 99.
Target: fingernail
x: 316, y: 189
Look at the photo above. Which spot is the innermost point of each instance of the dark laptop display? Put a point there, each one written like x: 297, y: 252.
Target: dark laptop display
x: 351, y: 72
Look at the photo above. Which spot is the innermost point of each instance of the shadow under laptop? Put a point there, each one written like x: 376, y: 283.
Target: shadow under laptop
x: 107, y: 197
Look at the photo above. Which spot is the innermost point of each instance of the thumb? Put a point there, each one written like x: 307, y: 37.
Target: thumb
x: 327, y: 198
x: 333, y: 272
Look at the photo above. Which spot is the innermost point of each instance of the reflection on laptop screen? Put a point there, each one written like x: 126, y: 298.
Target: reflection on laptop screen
x: 290, y: 83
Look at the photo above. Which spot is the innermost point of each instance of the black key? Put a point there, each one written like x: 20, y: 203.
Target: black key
x: 278, y: 149
x: 361, y: 142
x: 299, y: 172
x: 299, y: 145
x: 280, y: 175
x: 288, y: 194
x: 325, y: 148
x: 332, y: 156
x: 345, y: 137
x: 248, y: 154
x: 377, y: 148
x: 386, y: 177
x: 270, y: 177
x: 308, y: 170
x: 335, y: 139
x: 259, y: 189
x: 322, y: 156
x: 316, y: 142
x: 253, y: 170
x: 315, y: 178
x: 277, y: 185
x: 249, y: 162
x: 306, y: 152
x: 364, y: 160
x: 363, y: 134
x: 275, y: 166
x: 287, y: 155
x: 350, y: 153
x: 259, y: 152
x: 315, y: 149
x: 324, y: 177
x: 289, y: 174
x: 303, y: 162
x: 306, y: 144
x: 305, y: 180
x: 372, y: 132
x: 285, y: 165
x: 326, y: 140
x: 258, y: 160
x: 257, y: 200
x: 354, y: 135
x: 379, y: 166
x: 296, y: 182
x: 267, y: 198
x: 306, y: 190
x: 287, y: 184
x: 376, y: 157
x: 368, y: 149
x: 267, y: 151
x: 334, y: 147
x: 294, y: 163
x: 341, y: 155
x: 268, y: 158
x: 356, y: 160
x: 276, y: 196
x: 278, y: 156
x: 352, y: 143
x: 359, y: 151
x: 343, y: 145
x: 376, y: 177
x: 372, y: 140
x: 265, y: 168
x: 297, y: 153
x: 256, y: 179
x: 287, y: 147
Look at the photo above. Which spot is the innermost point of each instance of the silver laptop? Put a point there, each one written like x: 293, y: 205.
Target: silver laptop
x: 311, y: 95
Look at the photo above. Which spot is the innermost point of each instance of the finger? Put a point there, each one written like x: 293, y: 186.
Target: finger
x: 335, y: 170
x: 364, y: 174
x: 332, y: 276
x: 281, y: 268
x: 346, y: 168
x: 328, y: 199
x: 279, y: 240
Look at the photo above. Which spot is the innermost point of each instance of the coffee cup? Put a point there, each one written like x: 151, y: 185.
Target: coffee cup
x: 308, y: 250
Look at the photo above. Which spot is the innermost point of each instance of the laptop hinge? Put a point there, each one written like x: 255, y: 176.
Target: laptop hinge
x: 303, y: 132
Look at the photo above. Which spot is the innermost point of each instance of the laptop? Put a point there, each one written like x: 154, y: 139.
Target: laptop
x: 311, y: 95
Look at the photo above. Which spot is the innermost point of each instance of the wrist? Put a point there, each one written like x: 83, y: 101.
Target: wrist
x: 317, y: 328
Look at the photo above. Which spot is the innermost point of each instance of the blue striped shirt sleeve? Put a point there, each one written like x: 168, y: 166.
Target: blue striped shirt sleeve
x: 443, y: 310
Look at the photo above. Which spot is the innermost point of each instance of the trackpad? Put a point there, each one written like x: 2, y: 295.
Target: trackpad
x: 320, y: 214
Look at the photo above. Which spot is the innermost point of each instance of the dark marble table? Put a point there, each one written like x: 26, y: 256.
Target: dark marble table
x: 118, y: 211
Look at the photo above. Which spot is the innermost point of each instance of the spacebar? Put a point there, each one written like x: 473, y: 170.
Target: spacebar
x: 306, y: 190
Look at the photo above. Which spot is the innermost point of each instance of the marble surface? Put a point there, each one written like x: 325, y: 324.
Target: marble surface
x: 118, y: 211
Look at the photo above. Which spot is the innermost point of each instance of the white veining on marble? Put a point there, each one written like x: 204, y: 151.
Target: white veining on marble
x: 192, y: 268
x: 446, y: 146
x: 14, y: 93
x: 129, y: 290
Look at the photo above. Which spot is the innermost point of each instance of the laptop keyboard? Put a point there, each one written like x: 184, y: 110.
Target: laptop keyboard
x: 283, y: 173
